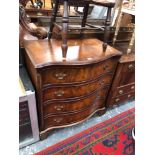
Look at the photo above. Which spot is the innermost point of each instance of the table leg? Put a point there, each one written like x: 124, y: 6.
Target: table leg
x: 53, y: 19
x: 85, y: 14
x: 107, y: 28
x: 117, y: 27
x: 65, y: 21
x: 131, y: 43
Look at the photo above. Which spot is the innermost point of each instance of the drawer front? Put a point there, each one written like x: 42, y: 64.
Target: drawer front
x: 125, y: 89
x: 128, y: 74
x: 65, y: 92
x: 69, y: 106
x: 59, y: 75
x: 75, y: 105
x: 65, y: 119
x: 123, y: 98
x: 103, y: 92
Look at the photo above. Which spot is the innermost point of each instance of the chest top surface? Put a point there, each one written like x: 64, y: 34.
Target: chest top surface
x: 127, y: 58
x: 85, y: 51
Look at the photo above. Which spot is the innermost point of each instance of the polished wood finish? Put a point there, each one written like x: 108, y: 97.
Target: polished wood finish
x: 28, y: 27
x: 35, y: 14
x: 66, y: 3
x: 27, y: 30
x: 65, y: 19
x: 69, y: 90
x: 123, y: 85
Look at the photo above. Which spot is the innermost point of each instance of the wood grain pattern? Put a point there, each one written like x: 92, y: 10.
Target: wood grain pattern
x: 123, y: 85
x: 69, y: 91
x: 50, y: 53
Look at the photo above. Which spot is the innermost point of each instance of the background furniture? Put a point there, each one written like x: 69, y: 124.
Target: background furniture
x: 27, y: 31
x: 125, y: 10
x: 123, y: 85
x: 28, y: 120
x: 70, y: 91
x: 29, y: 27
x: 65, y: 19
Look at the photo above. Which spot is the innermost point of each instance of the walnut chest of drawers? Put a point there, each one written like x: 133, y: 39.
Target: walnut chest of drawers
x: 69, y: 91
x: 123, y: 85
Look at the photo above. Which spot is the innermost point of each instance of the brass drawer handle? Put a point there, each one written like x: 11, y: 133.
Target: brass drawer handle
x: 59, y: 93
x: 117, y: 100
x: 60, y: 76
x: 132, y: 87
x: 58, y: 107
x: 58, y: 120
x: 105, y: 67
x: 121, y: 92
x: 131, y: 66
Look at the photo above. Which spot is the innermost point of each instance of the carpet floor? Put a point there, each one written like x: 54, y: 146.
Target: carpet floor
x: 111, y: 137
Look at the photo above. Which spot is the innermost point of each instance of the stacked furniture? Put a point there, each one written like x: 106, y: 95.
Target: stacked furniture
x: 72, y: 77
x: 69, y: 91
x: 123, y: 85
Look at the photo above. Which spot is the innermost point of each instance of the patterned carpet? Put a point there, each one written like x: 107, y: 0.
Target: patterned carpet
x: 111, y: 137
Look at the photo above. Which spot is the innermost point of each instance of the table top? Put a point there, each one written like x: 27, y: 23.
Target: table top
x: 80, y: 52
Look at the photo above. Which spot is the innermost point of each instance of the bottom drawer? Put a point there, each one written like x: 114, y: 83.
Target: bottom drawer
x: 121, y: 99
x: 65, y: 119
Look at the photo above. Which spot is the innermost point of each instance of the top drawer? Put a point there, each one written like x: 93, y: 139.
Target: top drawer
x: 57, y: 75
x: 128, y: 73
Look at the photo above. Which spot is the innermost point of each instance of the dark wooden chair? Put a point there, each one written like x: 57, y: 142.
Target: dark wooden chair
x: 65, y: 20
x: 27, y: 30
x: 29, y: 27
x: 109, y: 5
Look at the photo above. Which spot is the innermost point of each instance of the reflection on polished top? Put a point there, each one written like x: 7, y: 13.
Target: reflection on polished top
x: 127, y: 58
x: 84, y: 51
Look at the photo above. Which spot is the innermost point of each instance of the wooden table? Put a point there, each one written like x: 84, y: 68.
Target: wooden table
x: 85, y: 3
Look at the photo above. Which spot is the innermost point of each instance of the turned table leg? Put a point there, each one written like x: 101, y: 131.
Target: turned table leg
x: 85, y: 14
x: 107, y: 28
x: 65, y: 21
x: 53, y: 19
x: 131, y: 43
x: 117, y: 28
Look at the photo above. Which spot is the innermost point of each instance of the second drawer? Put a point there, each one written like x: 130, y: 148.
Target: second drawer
x: 73, y: 105
x: 73, y: 91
